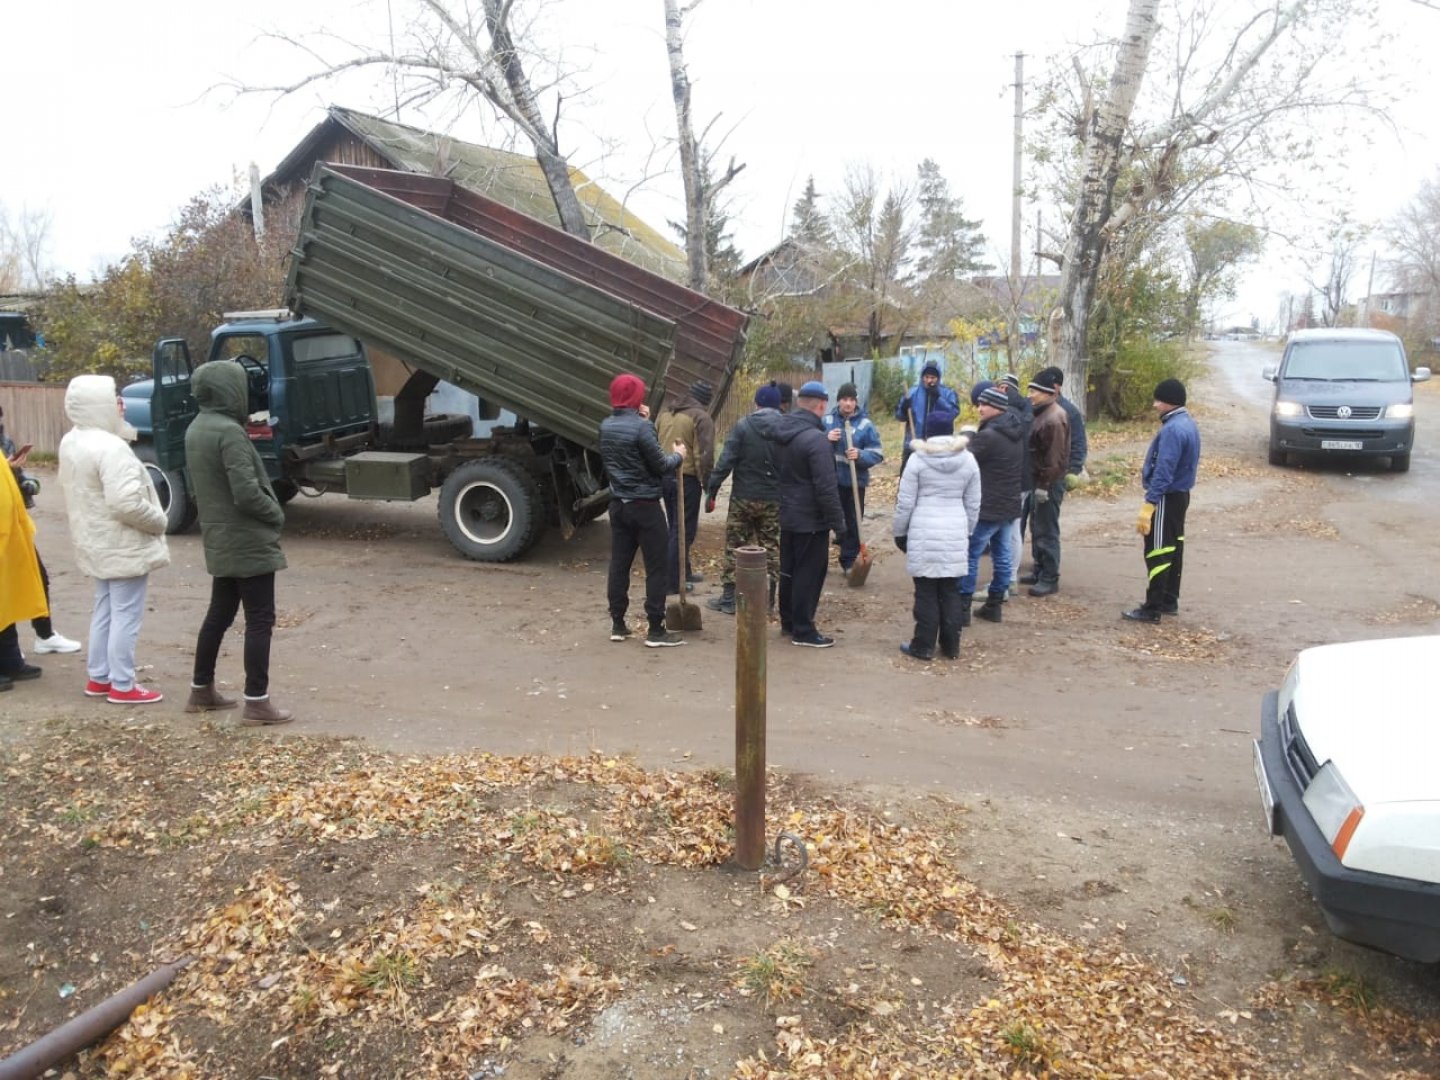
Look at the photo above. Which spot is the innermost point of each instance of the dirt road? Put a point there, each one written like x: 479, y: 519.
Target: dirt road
x: 1106, y: 765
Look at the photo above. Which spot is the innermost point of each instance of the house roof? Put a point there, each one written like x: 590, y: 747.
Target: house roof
x: 512, y: 179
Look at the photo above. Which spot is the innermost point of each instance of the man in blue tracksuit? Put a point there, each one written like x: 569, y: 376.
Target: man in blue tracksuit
x: 915, y: 406
x: 1168, y: 476
x: 853, y: 437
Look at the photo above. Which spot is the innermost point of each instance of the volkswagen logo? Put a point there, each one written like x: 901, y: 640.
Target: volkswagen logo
x: 1343, y: 412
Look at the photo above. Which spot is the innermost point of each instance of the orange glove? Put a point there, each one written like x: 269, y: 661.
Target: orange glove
x: 1143, y: 521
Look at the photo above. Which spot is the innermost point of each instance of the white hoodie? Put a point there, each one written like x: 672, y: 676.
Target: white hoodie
x: 116, y: 523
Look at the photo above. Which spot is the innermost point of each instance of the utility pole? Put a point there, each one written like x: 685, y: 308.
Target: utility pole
x: 1369, y: 292
x: 1016, y: 185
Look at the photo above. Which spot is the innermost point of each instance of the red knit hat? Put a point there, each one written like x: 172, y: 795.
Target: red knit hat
x: 627, y: 391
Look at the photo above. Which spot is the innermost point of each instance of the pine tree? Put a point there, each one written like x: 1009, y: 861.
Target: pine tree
x: 949, y: 245
x: 808, y: 225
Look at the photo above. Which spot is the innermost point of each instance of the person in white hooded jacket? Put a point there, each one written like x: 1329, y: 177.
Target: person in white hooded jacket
x: 118, y: 529
x: 936, y: 511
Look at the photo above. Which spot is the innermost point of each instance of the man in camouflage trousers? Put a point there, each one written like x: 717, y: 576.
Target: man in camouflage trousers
x: 754, y: 516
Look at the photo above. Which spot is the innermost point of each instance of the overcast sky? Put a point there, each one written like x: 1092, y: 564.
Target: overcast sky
x: 113, y: 123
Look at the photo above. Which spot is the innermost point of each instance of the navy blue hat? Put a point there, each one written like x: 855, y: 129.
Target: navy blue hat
x: 814, y: 389
x: 930, y: 368
x: 768, y: 397
x: 939, y: 422
x: 978, y: 389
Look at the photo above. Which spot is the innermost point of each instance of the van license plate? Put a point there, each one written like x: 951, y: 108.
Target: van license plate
x: 1341, y: 444
x: 1267, y: 793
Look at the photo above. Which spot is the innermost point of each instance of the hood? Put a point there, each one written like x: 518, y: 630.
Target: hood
x: 942, y: 451
x: 859, y: 414
x: 766, y: 421
x: 1007, y: 425
x: 221, y: 386
x: 90, y: 402
x: 686, y: 403
x: 789, y: 425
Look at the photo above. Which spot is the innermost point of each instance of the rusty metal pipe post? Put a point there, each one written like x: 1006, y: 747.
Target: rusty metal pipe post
x: 752, y: 599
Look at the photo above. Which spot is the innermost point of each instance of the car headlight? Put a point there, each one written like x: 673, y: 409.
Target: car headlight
x: 1334, y: 807
x: 1400, y: 412
x: 1288, y: 408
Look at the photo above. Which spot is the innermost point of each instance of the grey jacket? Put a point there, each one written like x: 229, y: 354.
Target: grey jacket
x: 938, y: 506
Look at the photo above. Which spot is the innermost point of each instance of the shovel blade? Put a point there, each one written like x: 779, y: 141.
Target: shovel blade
x: 682, y: 617
x: 861, y: 570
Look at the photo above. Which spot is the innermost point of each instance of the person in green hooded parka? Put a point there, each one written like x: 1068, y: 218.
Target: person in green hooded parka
x: 240, y: 524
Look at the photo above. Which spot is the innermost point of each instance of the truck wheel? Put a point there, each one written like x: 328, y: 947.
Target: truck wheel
x: 1400, y: 462
x: 438, y: 429
x: 170, y: 486
x: 490, y: 509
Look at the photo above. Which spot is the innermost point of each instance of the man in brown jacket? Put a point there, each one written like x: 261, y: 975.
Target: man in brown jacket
x: 1049, y: 453
x: 687, y: 419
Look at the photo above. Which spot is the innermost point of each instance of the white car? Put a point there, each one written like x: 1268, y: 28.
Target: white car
x: 1348, y: 763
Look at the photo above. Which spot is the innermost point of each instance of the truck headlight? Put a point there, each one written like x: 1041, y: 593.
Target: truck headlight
x: 1287, y: 409
x: 1334, y: 807
x: 1400, y: 412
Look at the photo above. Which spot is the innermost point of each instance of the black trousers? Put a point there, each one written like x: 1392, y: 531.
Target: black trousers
x: 850, y: 542
x: 1165, y: 551
x: 227, y: 596
x: 637, y: 526
x: 43, y: 626
x: 1045, y: 533
x: 11, y: 658
x: 693, y: 498
x: 804, y: 562
x: 937, y: 616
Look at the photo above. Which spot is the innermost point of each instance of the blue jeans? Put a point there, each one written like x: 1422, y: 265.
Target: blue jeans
x: 999, y: 536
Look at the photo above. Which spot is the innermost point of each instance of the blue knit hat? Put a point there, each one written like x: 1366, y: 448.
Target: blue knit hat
x: 940, y: 421
x: 768, y: 397
x: 978, y: 389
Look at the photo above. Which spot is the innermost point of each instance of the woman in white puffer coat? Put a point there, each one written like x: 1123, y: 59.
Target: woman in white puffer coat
x: 938, y: 506
x: 118, y: 529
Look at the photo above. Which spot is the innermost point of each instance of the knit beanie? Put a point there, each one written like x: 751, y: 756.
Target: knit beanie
x: 994, y: 397
x: 978, y: 389
x: 939, y: 422
x: 768, y: 397
x: 848, y: 390
x: 627, y: 391
x: 1171, y: 392
x: 787, y: 392
x: 702, y: 391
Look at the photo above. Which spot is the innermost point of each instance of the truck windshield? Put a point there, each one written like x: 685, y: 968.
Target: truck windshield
x: 323, y: 347
x: 1346, y: 361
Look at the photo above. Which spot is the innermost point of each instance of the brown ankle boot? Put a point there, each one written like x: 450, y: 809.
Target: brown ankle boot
x: 206, y: 699
x: 262, y: 712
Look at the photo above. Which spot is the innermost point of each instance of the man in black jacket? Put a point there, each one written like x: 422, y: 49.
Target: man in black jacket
x: 809, y: 511
x: 754, y: 514
x: 634, y: 465
x: 999, y: 450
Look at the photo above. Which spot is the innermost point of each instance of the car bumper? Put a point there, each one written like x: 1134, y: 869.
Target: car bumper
x: 1380, y: 437
x: 1393, y: 914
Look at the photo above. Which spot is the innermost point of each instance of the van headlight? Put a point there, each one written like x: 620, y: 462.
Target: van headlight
x: 1288, y: 409
x: 1400, y: 412
x: 1334, y: 807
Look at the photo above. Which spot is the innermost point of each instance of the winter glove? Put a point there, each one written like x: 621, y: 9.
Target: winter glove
x: 1072, y: 481
x: 901, y: 541
x: 1042, y: 496
x: 29, y: 486
x: 1143, y: 522
x: 710, y: 504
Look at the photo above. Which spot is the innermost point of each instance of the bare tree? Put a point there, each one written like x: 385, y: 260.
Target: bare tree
x: 702, y: 187
x: 449, y: 47
x: 1415, y: 236
x: 1227, y: 106
x: 876, y: 232
x: 1344, y: 243
x: 23, y: 245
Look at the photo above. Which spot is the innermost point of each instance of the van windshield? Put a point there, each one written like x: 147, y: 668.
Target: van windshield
x: 1347, y: 361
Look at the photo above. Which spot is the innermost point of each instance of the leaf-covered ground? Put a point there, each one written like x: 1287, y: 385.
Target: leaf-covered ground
x: 355, y: 914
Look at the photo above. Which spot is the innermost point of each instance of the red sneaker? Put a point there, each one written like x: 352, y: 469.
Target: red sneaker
x: 97, y: 689
x: 136, y: 695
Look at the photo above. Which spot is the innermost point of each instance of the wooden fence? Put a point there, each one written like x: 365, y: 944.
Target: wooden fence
x: 741, y: 399
x: 34, y: 414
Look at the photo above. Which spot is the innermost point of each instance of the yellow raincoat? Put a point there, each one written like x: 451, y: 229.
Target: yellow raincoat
x: 22, y: 595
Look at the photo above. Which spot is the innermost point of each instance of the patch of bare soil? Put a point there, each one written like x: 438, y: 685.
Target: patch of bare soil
x: 356, y: 914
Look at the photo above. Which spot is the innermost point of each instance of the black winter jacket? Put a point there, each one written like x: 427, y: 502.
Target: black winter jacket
x: 1079, y: 445
x: 634, y: 462
x: 999, y: 450
x: 750, y: 453
x: 809, y: 491
x: 1020, y: 406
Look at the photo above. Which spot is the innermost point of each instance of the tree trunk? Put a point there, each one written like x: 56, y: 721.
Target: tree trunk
x: 1104, y: 158
x: 689, y: 152
x: 547, y: 148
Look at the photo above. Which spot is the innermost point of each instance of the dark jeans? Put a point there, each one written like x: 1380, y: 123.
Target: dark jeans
x: 11, y: 658
x: 227, y: 596
x: 43, y: 626
x: 937, y: 616
x: 1165, y: 551
x: 804, y: 562
x: 637, y: 526
x: 850, y: 541
x: 1045, y: 533
x: 693, y: 498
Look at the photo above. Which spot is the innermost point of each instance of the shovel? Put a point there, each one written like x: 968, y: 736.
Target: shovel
x: 679, y: 615
x: 861, y: 570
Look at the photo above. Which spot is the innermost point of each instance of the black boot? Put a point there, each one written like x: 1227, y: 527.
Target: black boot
x: 966, y: 599
x: 991, y: 610
x: 725, y: 602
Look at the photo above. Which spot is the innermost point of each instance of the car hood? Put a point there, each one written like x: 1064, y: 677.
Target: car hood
x: 1343, y: 392
x: 1370, y: 707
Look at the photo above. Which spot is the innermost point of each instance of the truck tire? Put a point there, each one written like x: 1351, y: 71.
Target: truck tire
x: 490, y: 509
x: 439, y: 428
x: 1400, y: 462
x: 170, y: 486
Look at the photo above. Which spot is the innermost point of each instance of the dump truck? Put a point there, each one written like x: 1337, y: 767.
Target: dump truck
x: 459, y: 288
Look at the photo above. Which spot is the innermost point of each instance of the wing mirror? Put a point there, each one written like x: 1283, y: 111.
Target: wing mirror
x: 1421, y: 374
x: 1268, y: 372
